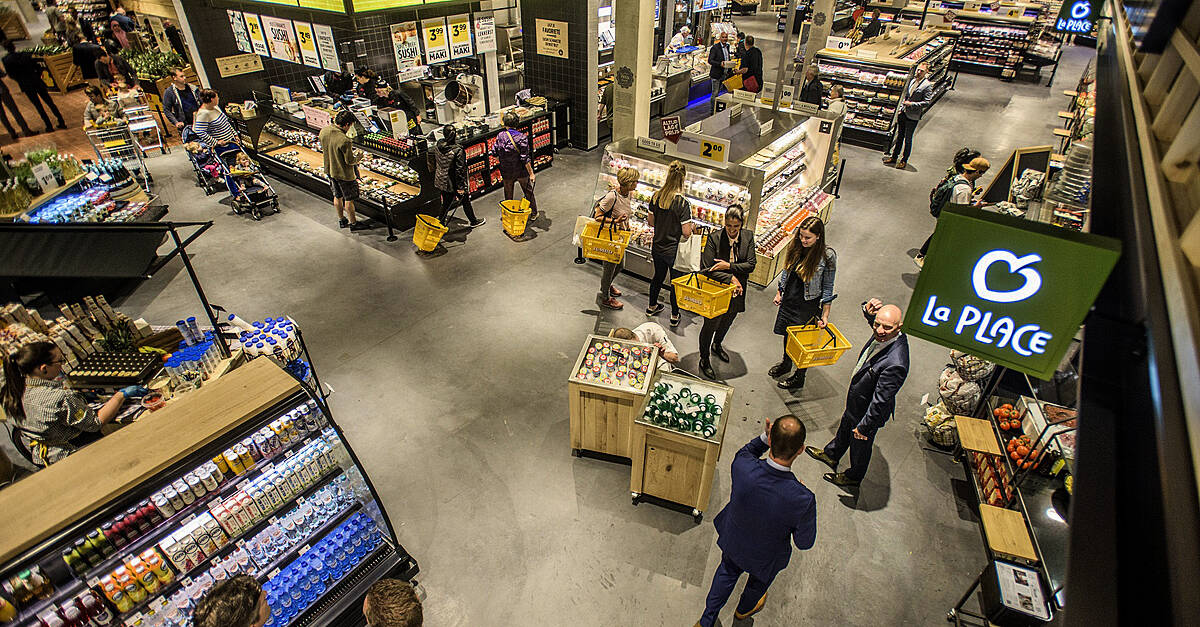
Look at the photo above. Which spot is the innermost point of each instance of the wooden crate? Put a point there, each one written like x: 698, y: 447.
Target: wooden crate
x: 601, y: 420
x: 767, y: 268
x: 13, y: 27
x: 64, y: 74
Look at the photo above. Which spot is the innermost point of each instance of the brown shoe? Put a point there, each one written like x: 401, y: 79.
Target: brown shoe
x: 889, y: 160
x: 901, y: 165
x: 611, y: 303
x: 613, y: 291
x: 757, y: 608
x: 822, y: 457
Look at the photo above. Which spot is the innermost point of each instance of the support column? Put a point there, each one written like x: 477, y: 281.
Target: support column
x: 666, y: 17
x: 822, y: 22
x: 633, y: 77
x: 186, y: 27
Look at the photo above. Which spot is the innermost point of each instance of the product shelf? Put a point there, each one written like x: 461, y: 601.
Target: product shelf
x: 301, y: 547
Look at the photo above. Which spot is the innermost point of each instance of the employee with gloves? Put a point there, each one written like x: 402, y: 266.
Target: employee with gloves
x: 386, y: 97
x: 53, y: 421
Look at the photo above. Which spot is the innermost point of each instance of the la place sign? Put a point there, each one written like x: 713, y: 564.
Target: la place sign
x: 1007, y: 290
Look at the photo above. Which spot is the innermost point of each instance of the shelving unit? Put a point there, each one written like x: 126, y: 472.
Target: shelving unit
x: 991, y: 44
x: 483, y: 170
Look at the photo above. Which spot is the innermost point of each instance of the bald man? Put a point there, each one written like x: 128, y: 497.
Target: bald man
x: 880, y: 371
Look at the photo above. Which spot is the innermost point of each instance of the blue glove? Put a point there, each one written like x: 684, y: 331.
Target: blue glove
x: 134, y: 391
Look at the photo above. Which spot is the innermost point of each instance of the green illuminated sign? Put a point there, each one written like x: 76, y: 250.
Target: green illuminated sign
x: 1007, y: 290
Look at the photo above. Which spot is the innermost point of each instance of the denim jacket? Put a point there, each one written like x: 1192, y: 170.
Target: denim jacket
x: 821, y: 284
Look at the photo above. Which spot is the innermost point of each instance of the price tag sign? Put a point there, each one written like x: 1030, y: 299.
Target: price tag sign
x: 460, y: 36
x: 841, y: 44
x: 654, y: 145
x: 1015, y: 12
x: 437, y: 48
x: 44, y: 176
x: 704, y: 148
x: 867, y: 54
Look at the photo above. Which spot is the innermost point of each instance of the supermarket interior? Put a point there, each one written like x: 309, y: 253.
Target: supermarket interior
x: 526, y: 312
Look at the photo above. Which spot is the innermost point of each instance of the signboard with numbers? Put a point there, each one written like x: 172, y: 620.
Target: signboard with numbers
x: 459, y: 27
x: 705, y: 149
x: 308, y: 44
x: 841, y: 44
x: 485, y: 33
x: 326, y: 47
x: 433, y: 33
x: 406, y: 44
x: 258, y: 41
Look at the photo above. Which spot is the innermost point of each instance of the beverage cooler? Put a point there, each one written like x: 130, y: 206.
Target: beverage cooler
x: 249, y: 474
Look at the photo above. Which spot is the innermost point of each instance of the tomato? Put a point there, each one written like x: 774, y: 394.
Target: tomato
x: 1012, y: 445
x: 1014, y: 456
x: 1023, y: 451
x: 1033, y: 454
x: 1004, y: 425
x: 1026, y: 464
x: 996, y: 412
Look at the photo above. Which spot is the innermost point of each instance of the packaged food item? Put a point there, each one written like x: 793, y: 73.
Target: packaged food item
x: 234, y: 461
x: 155, y: 563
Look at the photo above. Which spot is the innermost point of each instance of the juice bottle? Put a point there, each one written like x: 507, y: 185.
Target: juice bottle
x: 8, y: 611
x: 95, y: 609
x: 158, y: 566
x: 234, y: 462
x: 146, y: 579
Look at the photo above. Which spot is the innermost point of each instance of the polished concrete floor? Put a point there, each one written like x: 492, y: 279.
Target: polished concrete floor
x: 450, y: 380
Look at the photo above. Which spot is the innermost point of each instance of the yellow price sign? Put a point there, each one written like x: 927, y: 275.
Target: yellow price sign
x: 712, y: 150
x: 437, y: 49
x: 704, y: 148
x: 460, y: 36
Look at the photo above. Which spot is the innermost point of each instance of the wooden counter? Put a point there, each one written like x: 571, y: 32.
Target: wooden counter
x: 1007, y: 533
x: 887, y: 51
x: 36, y: 507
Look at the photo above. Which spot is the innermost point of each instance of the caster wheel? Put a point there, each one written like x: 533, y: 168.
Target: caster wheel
x: 697, y: 516
x: 575, y: 452
x: 637, y: 498
x: 257, y: 215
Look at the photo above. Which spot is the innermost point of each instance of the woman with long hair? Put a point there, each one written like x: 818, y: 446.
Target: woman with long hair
x: 52, y: 421
x: 613, y: 209
x: 728, y: 257
x: 670, y: 216
x: 805, y: 290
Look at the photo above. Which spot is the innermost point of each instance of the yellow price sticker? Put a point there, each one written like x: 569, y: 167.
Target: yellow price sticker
x: 710, y: 150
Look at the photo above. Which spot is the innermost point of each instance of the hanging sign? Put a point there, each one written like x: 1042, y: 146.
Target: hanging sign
x: 460, y: 36
x: 671, y: 128
x: 326, y: 48
x: 308, y: 44
x: 240, y: 37
x: 551, y: 38
x: 239, y: 64
x: 485, y: 33
x: 258, y: 40
x: 437, y: 49
x: 1006, y: 289
x: 1075, y: 17
x: 406, y: 44
x: 281, y: 39
x: 704, y: 149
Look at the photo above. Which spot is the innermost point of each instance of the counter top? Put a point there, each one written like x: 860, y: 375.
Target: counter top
x: 888, y: 51
x: 39, y: 506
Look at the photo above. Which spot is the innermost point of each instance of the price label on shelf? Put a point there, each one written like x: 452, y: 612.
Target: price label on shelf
x: 272, y: 574
x: 704, y: 148
x: 460, y: 36
x: 841, y: 44
x: 304, y: 549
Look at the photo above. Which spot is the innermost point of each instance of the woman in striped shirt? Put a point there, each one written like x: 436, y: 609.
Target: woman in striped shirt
x: 211, y: 124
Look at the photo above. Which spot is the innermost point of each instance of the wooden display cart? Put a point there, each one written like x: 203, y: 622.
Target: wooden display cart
x: 62, y: 71
x: 673, y: 465
x: 602, y: 413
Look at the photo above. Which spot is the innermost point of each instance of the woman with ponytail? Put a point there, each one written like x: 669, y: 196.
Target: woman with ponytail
x: 670, y: 216
x: 805, y: 290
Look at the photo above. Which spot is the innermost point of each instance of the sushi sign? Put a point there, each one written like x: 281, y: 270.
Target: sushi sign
x: 1007, y: 290
x: 1075, y: 17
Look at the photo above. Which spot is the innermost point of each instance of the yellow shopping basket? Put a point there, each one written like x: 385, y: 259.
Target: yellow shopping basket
x: 604, y: 243
x: 428, y: 233
x: 700, y: 294
x: 809, y: 345
x: 514, y: 215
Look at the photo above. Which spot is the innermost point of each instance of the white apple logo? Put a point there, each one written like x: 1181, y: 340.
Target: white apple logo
x: 1018, y: 265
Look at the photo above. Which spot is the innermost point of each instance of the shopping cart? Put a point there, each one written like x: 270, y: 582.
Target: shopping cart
x: 116, y: 141
x: 146, y: 133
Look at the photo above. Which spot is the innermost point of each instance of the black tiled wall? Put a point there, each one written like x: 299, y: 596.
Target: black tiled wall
x: 572, y: 79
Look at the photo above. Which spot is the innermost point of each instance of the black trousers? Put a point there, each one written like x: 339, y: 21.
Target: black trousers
x: 448, y: 201
x: 36, y: 93
x: 713, y: 333
x: 925, y: 246
x: 7, y: 102
x: 904, y: 138
x: 860, y: 450
x: 663, y: 266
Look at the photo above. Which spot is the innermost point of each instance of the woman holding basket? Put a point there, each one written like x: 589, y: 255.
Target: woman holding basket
x: 805, y: 291
x: 728, y: 257
x: 671, y: 218
x: 613, y: 211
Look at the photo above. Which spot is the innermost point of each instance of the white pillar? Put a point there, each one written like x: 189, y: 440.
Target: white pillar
x: 632, y: 78
x: 186, y: 27
x: 820, y: 29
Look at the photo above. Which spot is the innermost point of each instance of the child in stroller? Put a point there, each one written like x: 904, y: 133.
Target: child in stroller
x: 249, y: 189
x: 204, y: 162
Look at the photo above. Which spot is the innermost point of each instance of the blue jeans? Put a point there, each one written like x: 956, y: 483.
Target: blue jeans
x: 904, y: 137
x: 717, y: 86
x: 723, y: 582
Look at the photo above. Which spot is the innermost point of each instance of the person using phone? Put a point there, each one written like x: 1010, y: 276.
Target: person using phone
x: 728, y: 257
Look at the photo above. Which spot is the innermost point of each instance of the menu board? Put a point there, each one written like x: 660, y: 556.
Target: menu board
x: 437, y: 48
x: 281, y: 39
x: 377, y: 5
x: 326, y: 48
x: 406, y: 44
x: 460, y: 36
x: 258, y: 40
x: 485, y: 33
x: 308, y: 44
x: 336, y: 6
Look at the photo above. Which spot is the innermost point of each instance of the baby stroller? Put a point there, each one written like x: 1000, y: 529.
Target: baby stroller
x: 208, y: 171
x: 249, y: 190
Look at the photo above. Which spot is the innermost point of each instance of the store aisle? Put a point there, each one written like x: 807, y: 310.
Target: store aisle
x: 450, y: 378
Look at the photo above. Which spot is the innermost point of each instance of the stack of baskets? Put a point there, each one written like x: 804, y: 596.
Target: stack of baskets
x: 960, y: 389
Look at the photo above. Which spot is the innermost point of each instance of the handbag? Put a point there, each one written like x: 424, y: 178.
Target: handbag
x: 751, y: 84
x: 687, y: 256
x: 581, y: 223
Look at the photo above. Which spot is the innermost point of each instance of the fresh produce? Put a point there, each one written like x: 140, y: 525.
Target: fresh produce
x: 991, y: 474
x: 1007, y: 417
x: 152, y: 64
x: 1022, y: 452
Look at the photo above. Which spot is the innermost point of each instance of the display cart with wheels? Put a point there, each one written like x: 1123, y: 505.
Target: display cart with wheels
x: 603, y: 403
x: 116, y: 141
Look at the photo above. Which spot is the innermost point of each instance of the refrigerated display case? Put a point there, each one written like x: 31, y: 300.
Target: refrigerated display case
x: 776, y: 177
x: 876, y: 76
x: 246, y: 475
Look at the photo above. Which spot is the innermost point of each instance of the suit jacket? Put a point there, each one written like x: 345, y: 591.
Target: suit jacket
x: 753, y: 62
x: 921, y: 96
x: 872, y: 395
x: 768, y: 511
x: 104, y: 73
x: 811, y: 92
x: 23, y: 69
x: 715, y: 58
x: 746, y: 260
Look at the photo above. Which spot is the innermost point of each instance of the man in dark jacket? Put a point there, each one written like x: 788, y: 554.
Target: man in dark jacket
x: 920, y: 95
x: 24, y: 69
x: 175, y: 37
x: 84, y: 54
x: 728, y: 257
x: 7, y: 101
x: 769, y: 510
x: 881, y: 369
x: 108, y: 65
x: 449, y: 164
x: 752, y: 65
x: 180, y: 100
x: 810, y: 91
x: 718, y: 55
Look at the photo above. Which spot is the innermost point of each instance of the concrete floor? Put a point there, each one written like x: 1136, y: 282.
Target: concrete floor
x: 450, y: 377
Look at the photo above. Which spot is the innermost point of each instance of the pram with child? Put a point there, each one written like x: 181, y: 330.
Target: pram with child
x: 209, y: 175
x: 249, y: 190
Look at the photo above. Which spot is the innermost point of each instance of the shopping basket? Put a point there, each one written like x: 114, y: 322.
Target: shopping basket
x: 809, y: 345
x: 514, y: 215
x: 428, y: 233
x: 603, y: 242
x: 700, y: 294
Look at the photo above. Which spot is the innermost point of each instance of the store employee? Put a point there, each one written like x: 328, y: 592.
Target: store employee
x: 53, y: 420
x: 680, y: 39
x: 386, y: 97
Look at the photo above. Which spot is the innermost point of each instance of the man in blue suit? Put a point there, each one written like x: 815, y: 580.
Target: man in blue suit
x: 768, y: 510
x: 881, y: 369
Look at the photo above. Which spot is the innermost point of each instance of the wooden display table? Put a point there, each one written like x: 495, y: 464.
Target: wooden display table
x: 602, y: 413
x: 677, y: 464
x: 63, y: 72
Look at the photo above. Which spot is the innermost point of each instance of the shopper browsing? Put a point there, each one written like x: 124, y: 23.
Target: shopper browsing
x: 752, y: 65
x: 943, y: 193
x: 210, y: 123
x: 512, y: 148
x: 881, y: 369
x: 392, y: 603
x: 449, y: 164
x: 728, y: 257
x: 837, y: 101
x: 769, y: 510
x: 108, y: 66
x: 180, y: 100
x: 810, y: 91
x: 805, y: 291
x: 237, y: 602
x: 341, y: 166
x: 671, y: 218
x: 7, y: 102
x: 52, y: 421
x: 920, y: 96
x: 100, y: 109
x: 27, y: 73
x: 872, y: 28
x: 719, y: 58
x: 613, y: 210
x: 652, y: 333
